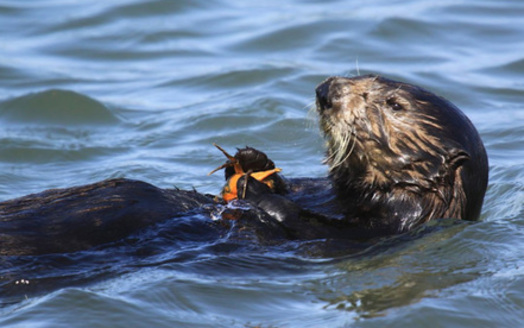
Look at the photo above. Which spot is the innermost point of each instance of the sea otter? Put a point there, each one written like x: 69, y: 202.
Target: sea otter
x: 398, y: 156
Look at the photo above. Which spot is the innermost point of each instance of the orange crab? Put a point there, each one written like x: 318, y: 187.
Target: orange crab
x: 246, y: 162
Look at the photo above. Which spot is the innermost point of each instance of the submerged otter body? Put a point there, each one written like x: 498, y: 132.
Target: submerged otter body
x: 398, y: 156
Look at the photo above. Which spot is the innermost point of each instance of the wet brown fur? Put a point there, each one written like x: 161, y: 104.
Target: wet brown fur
x: 400, y: 155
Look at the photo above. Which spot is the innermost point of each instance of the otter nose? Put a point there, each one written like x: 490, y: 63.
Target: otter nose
x: 322, y: 92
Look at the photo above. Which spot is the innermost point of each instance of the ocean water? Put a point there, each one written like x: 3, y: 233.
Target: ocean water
x: 91, y: 90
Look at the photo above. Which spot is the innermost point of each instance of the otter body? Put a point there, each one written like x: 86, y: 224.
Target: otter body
x: 398, y: 156
x: 74, y: 219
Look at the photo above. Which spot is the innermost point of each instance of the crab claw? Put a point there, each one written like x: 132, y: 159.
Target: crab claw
x: 232, y: 161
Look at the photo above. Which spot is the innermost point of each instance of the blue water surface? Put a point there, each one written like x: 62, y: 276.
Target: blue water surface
x: 91, y: 90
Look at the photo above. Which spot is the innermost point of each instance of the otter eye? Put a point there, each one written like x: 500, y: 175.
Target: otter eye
x: 393, y: 104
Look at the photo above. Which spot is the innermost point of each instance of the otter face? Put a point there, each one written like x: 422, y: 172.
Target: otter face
x: 375, y: 126
x: 398, y: 138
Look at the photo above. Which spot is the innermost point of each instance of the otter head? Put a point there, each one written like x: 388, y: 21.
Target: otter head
x: 400, y: 154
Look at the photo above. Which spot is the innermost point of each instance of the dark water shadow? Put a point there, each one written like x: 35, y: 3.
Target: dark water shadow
x: 399, y: 271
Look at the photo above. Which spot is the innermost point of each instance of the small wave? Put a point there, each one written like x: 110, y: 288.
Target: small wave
x: 56, y: 107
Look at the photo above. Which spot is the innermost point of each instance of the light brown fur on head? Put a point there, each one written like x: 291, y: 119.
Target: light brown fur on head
x: 400, y: 151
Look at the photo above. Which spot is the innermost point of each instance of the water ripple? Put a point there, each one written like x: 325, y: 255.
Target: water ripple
x: 56, y: 107
x: 141, y: 89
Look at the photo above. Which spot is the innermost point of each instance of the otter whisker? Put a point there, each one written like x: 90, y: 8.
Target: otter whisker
x: 345, y: 147
x: 336, y: 146
x: 312, y: 117
x: 352, y: 138
x: 332, y: 144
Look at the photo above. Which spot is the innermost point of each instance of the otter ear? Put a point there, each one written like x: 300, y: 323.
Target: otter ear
x: 457, y: 157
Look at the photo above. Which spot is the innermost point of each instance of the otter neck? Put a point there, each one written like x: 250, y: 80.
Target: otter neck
x: 393, y: 207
